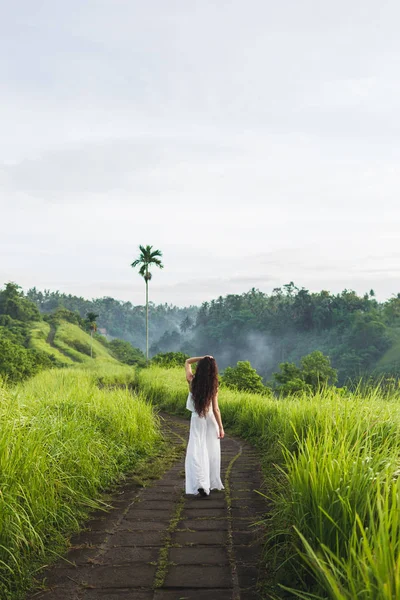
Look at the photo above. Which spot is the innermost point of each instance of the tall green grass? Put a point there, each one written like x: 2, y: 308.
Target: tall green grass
x: 62, y: 441
x: 336, y: 491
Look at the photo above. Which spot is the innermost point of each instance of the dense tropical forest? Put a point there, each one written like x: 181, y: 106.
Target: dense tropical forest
x: 31, y: 342
x: 359, y: 334
x: 120, y: 319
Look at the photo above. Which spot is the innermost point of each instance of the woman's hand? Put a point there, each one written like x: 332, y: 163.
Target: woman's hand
x: 221, y: 433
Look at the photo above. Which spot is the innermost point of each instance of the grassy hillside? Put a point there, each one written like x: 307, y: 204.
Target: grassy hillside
x: 75, y: 343
x: 390, y: 361
x: 39, y: 336
x: 68, y: 343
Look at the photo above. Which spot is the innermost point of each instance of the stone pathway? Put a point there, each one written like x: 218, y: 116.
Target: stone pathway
x: 158, y: 544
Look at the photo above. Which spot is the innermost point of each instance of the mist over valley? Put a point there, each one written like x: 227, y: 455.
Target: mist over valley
x: 356, y: 332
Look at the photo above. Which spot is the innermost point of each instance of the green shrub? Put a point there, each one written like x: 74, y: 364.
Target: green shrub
x: 244, y: 377
x: 170, y: 359
x: 63, y: 314
x: 126, y: 353
x: 81, y: 347
x: 14, y: 304
x: 18, y: 363
x: 102, y: 339
x: 315, y: 373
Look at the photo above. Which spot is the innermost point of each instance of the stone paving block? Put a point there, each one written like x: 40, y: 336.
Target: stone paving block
x: 191, y: 556
x: 247, y: 469
x: 210, y: 512
x: 168, y: 483
x: 148, y: 515
x: 250, y: 595
x: 203, y: 538
x: 137, y: 538
x: 247, y: 472
x: 248, y: 510
x: 193, y: 594
x: 244, y: 525
x: 244, y: 496
x: 245, y: 478
x: 247, y: 554
x: 194, y: 502
x: 244, y: 538
x: 101, y: 524
x: 248, y: 576
x: 89, y: 538
x: 142, y: 525
x: 61, y: 592
x: 121, y: 504
x: 196, y: 576
x: 121, y: 555
x: 241, y: 487
x: 204, y: 524
x: 118, y: 594
x: 132, y: 576
x: 99, y: 514
x: 176, y: 471
x: 154, y: 500
x: 249, y: 499
x: 131, y: 488
x: 63, y: 576
x: 245, y: 511
x: 117, y: 506
x: 168, y: 492
x: 248, y: 457
x: 77, y: 556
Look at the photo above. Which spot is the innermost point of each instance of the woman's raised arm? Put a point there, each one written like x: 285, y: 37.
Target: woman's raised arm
x: 188, y: 368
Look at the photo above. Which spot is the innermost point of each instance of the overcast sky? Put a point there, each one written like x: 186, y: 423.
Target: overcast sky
x: 254, y: 142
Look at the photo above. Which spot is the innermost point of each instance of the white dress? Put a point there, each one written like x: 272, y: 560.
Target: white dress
x: 203, y: 454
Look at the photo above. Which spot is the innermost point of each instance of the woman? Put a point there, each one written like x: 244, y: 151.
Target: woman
x: 203, y: 455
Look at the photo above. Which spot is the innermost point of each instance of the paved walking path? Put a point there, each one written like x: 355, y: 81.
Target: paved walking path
x: 158, y: 544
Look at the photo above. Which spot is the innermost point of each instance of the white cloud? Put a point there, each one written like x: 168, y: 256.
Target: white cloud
x: 255, y: 145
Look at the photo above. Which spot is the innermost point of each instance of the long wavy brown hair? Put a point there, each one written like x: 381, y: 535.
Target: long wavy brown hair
x: 204, y: 384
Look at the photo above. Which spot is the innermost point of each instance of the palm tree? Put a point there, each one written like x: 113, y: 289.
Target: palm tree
x: 147, y: 257
x: 91, y: 319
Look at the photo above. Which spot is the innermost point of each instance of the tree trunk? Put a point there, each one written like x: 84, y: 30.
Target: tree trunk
x: 147, y: 320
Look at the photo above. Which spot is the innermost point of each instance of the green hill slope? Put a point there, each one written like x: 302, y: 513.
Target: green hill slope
x: 390, y: 361
x: 68, y: 344
x: 40, y: 336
